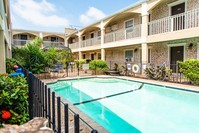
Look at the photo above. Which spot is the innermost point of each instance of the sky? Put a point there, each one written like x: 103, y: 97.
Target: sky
x: 55, y: 15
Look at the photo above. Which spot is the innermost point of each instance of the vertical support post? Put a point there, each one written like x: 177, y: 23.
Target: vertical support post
x: 45, y: 107
x: 76, y: 123
x: 102, y: 40
x: 30, y: 95
x: 53, y: 110
x: 144, y: 34
x: 59, y: 114
x: 49, y: 108
x: 43, y: 99
x: 66, y: 118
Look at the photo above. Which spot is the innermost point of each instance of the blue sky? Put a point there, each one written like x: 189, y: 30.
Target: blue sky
x: 55, y: 15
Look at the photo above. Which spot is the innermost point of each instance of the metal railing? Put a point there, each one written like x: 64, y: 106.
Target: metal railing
x: 55, y: 44
x: 123, y: 34
x: 43, y: 102
x: 126, y: 69
x: 74, y: 45
x: 91, y: 42
x: 18, y: 42
x: 177, y: 22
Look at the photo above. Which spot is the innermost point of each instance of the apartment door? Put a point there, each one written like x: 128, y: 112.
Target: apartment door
x: 92, y: 56
x: 23, y: 39
x: 91, y: 41
x: 178, y: 16
x: 176, y: 54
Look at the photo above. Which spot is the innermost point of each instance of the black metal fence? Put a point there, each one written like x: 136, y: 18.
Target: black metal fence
x: 43, y: 102
x: 126, y: 69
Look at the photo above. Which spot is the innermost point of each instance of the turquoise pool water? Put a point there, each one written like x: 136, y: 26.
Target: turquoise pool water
x: 152, y: 109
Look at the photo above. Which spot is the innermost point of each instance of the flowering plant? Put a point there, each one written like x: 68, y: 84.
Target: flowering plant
x: 13, y: 100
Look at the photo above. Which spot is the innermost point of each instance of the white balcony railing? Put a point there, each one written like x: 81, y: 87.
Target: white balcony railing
x: 18, y: 42
x: 123, y: 34
x: 55, y: 44
x: 181, y: 21
x: 74, y: 45
x: 91, y: 42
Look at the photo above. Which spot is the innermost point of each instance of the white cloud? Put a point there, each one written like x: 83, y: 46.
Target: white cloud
x: 91, y: 15
x: 41, y: 13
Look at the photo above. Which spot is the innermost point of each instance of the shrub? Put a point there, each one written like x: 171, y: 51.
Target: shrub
x: 79, y: 63
x: 98, y: 65
x: 157, y: 72
x: 190, y: 69
x: 13, y: 100
x: 10, y: 64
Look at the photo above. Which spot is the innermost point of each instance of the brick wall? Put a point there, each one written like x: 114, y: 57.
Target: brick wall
x: 162, y: 9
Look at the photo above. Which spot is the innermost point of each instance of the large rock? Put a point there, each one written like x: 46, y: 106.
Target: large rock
x: 36, y: 125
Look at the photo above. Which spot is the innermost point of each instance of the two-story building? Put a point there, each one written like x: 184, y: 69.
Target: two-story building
x: 148, y: 31
x: 22, y: 37
x: 5, y: 34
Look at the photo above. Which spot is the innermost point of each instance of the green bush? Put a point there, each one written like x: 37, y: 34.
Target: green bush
x: 13, y: 100
x: 79, y: 63
x: 98, y: 65
x: 10, y: 65
x: 190, y: 69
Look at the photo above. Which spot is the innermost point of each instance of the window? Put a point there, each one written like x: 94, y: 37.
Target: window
x: 129, y: 55
x: 53, y: 39
x: 99, y: 56
x: 84, y: 38
x: 149, y: 55
x: 129, y: 24
x: 92, y: 35
x: 99, y: 35
x: 84, y: 56
x: 92, y: 56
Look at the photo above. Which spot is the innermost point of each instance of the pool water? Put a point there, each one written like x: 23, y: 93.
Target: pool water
x: 151, y: 109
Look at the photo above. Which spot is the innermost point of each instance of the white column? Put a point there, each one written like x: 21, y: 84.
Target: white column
x: 2, y: 53
x: 41, y: 35
x: 144, y: 34
x: 66, y: 42
x: 198, y: 51
x: 102, y: 40
x: 80, y: 42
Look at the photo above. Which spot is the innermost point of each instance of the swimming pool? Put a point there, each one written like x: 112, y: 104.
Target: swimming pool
x: 127, y: 106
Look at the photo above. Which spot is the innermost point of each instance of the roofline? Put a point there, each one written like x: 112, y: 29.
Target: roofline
x: 25, y: 30
x: 120, y: 11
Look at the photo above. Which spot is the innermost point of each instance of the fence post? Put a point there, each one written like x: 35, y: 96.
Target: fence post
x: 30, y: 98
x: 53, y: 110
x: 49, y: 108
x: 66, y: 117
x: 45, y: 107
x: 59, y: 114
x: 76, y: 123
x: 42, y: 90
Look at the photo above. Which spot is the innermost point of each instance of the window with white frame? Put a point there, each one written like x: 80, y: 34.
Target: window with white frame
x: 129, y: 55
x: 129, y: 25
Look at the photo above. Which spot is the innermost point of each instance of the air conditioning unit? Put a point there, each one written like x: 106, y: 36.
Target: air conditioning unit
x: 114, y: 27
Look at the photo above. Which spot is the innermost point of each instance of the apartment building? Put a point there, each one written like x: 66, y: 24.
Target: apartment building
x: 5, y: 34
x: 22, y: 37
x: 148, y: 31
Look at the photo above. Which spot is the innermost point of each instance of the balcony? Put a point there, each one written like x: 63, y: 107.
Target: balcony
x: 178, y: 22
x: 91, y: 42
x: 74, y: 45
x: 123, y: 34
x: 18, y: 42
x: 55, y: 44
